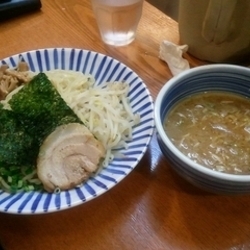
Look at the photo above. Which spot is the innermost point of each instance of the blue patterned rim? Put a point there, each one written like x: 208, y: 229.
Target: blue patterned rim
x: 103, y: 68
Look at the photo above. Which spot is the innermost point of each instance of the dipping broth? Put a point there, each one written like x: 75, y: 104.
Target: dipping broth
x: 213, y: 129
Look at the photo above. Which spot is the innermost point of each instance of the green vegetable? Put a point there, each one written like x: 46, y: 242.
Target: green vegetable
x: 15, y: 143
x: 40, y: 108
x: 36, y: 110
x: 15, y: 178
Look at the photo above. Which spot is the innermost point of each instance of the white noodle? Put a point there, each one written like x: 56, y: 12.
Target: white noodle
x: 104, y: 109
x: 4, y: 183
x: 9, y: 96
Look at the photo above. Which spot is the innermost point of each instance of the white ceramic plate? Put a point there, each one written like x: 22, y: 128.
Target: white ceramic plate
x: 103, y: 68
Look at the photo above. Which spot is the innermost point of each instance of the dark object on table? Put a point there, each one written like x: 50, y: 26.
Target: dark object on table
x: 14, y: 8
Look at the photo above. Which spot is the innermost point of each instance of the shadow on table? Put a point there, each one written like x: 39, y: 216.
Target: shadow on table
x: 185, y: 217
x: 170, y: 7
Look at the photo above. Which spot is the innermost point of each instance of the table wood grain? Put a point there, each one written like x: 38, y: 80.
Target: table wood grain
x: 152, y: 208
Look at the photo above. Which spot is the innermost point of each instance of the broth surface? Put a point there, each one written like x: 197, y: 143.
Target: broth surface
x: 213, y: 129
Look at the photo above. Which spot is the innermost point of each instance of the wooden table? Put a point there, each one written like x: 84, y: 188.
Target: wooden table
x: 152, y: 208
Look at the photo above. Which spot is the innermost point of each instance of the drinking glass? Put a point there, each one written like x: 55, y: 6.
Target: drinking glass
x: 117, y: 20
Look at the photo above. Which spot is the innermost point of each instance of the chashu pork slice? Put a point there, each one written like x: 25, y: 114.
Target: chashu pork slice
x: 68, y: 156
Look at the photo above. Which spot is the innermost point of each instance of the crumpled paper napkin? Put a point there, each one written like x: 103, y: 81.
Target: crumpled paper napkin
x: 172, y: 55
